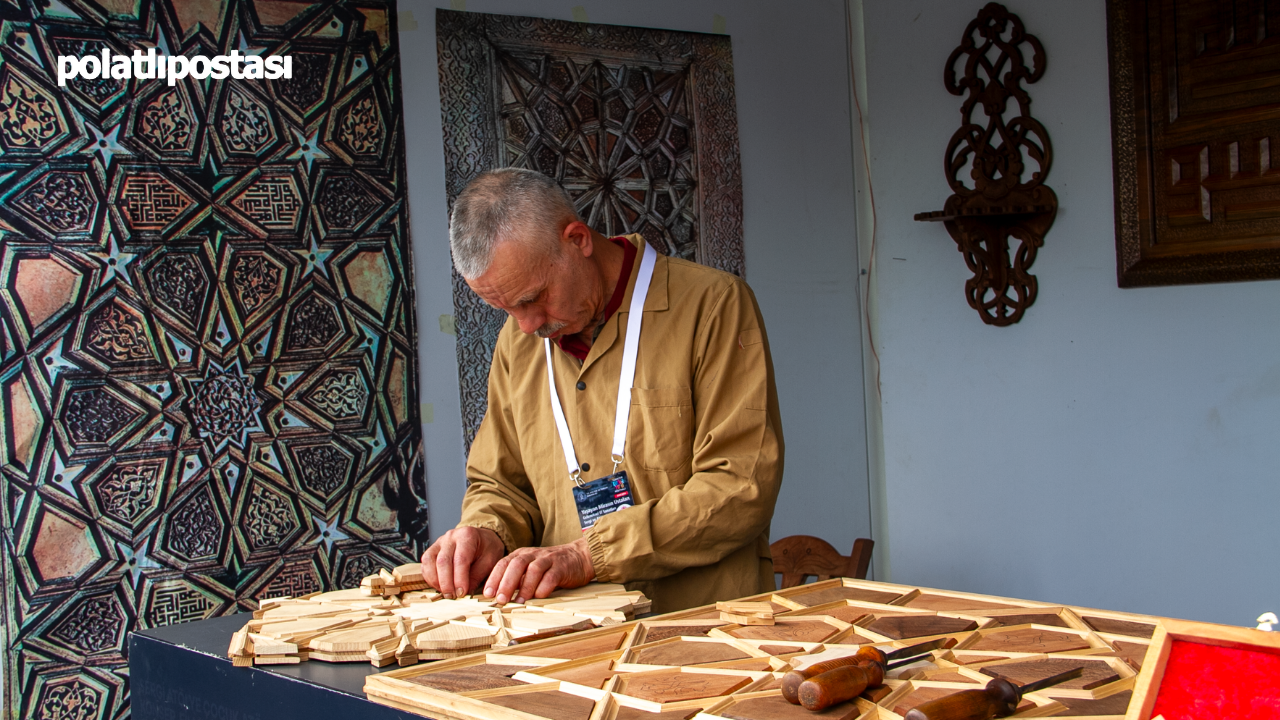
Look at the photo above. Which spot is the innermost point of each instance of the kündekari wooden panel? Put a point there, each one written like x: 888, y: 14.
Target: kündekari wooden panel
x: 686, y: 664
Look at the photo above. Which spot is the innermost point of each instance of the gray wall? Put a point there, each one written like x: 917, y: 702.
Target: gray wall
x: 1117, y: 448
x: 793, y: 107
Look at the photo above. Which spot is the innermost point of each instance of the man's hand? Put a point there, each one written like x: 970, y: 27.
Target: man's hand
x: 456, y: 562
x: 534, y: 572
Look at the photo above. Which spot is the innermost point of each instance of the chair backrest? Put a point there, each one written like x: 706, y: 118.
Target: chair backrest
x: 798, y: 556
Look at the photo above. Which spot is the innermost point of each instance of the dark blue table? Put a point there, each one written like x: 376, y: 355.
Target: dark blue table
x: 182, y: 671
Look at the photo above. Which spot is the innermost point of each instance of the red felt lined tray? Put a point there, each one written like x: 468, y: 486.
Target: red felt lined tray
x: 1196, y: 670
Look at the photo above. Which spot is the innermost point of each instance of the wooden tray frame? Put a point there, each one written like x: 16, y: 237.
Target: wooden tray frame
x: 392, y: 688
x: 1147, y: 688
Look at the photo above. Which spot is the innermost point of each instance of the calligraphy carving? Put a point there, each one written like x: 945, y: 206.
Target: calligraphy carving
x: 1007, y: 159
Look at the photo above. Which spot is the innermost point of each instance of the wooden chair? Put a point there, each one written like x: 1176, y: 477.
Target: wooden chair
x: 798, y: 556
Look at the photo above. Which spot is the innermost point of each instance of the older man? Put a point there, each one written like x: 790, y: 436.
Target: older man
x: 668, y: 485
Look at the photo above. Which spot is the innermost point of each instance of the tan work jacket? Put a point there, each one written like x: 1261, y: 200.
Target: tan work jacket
x: 704, y: 445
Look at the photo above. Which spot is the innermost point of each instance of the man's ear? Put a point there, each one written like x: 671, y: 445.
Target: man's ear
x: 579, y: 235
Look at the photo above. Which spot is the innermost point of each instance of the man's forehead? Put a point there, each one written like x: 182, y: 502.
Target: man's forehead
x: 514, y: 272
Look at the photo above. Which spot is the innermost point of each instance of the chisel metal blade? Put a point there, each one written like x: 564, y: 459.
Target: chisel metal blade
x: 917, y: 649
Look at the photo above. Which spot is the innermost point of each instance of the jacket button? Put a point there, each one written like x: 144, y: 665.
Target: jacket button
x: 582, y: 385
x: 586, y: 467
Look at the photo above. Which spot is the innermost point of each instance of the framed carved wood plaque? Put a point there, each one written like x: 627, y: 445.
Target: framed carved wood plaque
x: 1195, y: 102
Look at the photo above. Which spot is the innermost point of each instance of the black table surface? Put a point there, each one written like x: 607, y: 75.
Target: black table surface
x: 182, y: 671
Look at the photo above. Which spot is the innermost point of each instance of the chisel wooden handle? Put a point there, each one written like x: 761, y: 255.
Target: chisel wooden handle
x: 998, y: 699
x: 792, y: 680
x: 840, y: 685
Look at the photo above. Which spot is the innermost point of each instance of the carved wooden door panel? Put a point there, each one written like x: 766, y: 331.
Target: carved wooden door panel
x: 1195, y: 87
x: 208, y: 374
x: 640, y: 126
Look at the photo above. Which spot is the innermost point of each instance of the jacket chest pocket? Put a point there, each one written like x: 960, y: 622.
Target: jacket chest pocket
x: 661, y: 428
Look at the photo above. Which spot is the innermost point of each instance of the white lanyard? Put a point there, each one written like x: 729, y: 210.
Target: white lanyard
x: 626, y: 378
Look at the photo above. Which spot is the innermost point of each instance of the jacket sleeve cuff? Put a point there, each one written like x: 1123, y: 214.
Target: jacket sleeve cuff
x: 598, y: 564
x: 508, y: 542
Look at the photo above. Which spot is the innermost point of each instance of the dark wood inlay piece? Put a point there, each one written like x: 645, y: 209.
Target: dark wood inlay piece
x: 946, y: 603
x: 574, y: 649
x: 1120, y: 627
x: 924, y: 695
x: 664, y: 686
x: 550, y: 704
x: 811, y: 631
x: 1029, y: 640
x: 626, y: 713
x: 899, y: 627
x: 781, y: 649
x: 688, y: 653
x: 832, y: 594
x: 1051, y: 619
x: 1096, y: 673
x: 1117, y: 704
x: 775, y: 708
x: 475, y: 677
x: 662, y: 632
x: 594, y: 674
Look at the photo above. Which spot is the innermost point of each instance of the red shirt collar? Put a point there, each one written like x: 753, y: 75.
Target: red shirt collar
x: 574, y: 345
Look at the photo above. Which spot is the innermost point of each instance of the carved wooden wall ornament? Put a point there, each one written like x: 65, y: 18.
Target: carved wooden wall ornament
x: 208, y: 356
x: 639, y: 125
x: 1195, y: 87
x: 1007, y: 199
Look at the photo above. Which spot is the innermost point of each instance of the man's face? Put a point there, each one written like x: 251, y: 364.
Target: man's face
x: 548, y: 296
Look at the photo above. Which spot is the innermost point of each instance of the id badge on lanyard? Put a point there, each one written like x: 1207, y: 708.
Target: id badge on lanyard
x: 613, y: 492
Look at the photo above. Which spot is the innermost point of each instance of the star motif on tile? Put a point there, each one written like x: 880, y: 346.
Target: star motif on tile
x: 327, y: 533
x: 116, y: 262
x: 134, y: 562
x: 308, y: 147
x: 315, y: 258
x: 105, y: 144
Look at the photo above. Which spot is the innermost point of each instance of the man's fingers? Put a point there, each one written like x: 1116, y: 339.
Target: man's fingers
x: 533, y: 577
x: 511, y: 577
x: 444, y: 566
x: 550, y: 581
x: 463, y: 555
x: 495, y: 577
x: 429, y: 564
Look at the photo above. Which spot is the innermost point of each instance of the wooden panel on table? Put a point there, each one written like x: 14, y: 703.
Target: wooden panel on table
x: 1132, y: 653
x: 627, y: 713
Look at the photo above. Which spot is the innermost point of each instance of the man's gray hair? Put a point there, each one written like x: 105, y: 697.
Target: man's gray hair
x: 509, y: 203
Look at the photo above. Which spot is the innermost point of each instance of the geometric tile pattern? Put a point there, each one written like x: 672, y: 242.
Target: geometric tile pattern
x: 638, y: 125
x: 208, y: 366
